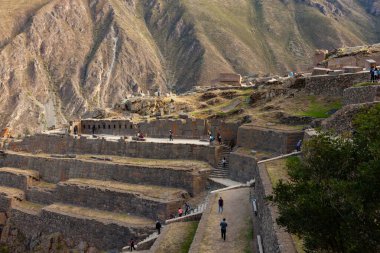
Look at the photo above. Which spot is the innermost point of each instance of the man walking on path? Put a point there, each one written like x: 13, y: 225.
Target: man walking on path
x: 132, y: 244
x: 223, y: 228
x: 220, y: 202
x: 158, y: 227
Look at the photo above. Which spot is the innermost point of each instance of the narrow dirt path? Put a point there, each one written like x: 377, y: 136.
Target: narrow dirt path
x: 237, y: 211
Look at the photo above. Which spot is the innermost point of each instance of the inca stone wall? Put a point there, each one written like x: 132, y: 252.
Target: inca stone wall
x: 357, y: 95
x: 181, y: 128
x: 274, y: 238
x: 75, y: 229
x: 55, y: 170
x: 55, y: 144
x: 122, y: 202
x: 242, y: 166
x: 329, y: 85
x: 342, y: 120
x: 268, y: 139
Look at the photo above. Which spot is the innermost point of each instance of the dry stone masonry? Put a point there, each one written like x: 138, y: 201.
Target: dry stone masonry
x: 75, y: 202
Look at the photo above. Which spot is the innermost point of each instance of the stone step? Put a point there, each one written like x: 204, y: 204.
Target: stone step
x: 18, y: 178
x: 144, y: 200
x: 9, y: 196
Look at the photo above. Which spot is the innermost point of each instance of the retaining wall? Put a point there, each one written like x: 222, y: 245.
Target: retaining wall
x: 116, y: 201
x: 357, y: 95
x: 242, y: 166
x: 275, y: 239
x: 76, y: 229
x: 55, y: 170
x: 268, y: 139
x: 341, y: 121
x: 328, y: 85
x: 55, y: 144
x: 181, y: 128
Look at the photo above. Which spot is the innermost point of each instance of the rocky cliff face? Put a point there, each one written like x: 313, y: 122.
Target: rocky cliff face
x: 60, y: 59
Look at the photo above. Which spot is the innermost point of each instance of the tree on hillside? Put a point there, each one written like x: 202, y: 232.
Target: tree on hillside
x: 332, y: 199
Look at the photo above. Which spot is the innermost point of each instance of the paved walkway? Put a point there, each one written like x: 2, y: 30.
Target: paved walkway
x: 225, y: 181
x: 237, y: 212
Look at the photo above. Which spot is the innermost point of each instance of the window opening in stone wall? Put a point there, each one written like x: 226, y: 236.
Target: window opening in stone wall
x: 104, y: 126
x: 109, y: 126
x: 120, y: 126
x: 114, y: 126
x: 131, y: 126
x: 125, y: 126
x: 84, y: 126
x: 98, y: 126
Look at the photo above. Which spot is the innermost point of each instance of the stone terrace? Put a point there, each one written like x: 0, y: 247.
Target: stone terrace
x: 97, y: 190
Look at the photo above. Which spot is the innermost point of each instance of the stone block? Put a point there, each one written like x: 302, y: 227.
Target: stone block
x: 320, y: 71
x: 17, y: 178
x: 352, y: 69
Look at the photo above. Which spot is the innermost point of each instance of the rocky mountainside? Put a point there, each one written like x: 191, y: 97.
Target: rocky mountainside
x: 60, y: 59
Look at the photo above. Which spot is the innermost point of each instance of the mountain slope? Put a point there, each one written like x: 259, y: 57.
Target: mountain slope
x: 60, y: 59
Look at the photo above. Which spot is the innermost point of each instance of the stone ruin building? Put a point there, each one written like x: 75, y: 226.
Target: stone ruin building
x: 93, y: 194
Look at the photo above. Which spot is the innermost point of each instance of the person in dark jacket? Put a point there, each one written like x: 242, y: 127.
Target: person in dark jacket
x: 223, y: 228
x: 158, y: 227
x: 220, y: 203
x: 132, y: 245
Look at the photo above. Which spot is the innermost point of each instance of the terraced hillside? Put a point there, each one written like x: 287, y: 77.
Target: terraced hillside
x: 61, y: 59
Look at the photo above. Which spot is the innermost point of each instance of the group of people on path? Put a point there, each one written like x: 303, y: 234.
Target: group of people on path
x: 375, y: 74
x: 212, y: 138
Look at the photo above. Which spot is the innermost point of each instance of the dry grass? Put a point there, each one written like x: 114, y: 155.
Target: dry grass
x: 159, y: 192
x: 97, y: 214
x: 178, y: 238
x: 26, y: 205
x: 10, y: 191
x: 154, y: 163
x: 15, y: 171
x: 14, y: 13
x: 277, y: 170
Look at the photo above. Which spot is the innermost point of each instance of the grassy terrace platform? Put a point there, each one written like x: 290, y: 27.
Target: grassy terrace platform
x: 103, y: 216
x: 11, y: 192
x: 152, y: 191
x: 153, y: 163
x: 27, y: 173
x: 184, y: 165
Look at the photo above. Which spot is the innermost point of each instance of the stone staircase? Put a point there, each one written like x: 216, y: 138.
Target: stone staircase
x: 220, y: 171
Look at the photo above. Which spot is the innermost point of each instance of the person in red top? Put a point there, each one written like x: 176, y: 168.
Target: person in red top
x: 180, y: 212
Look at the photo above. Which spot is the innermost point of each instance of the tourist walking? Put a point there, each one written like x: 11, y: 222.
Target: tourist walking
x: 376, y: 73
x: 132, y: 245
x: 158, y: 227
x: 298, y: 146
x: 219, y: 138
x: 372, y: 72
x: 224, y: 162
x: 211, y: 139
x: 223, y: 228
x: 170, y: 135
x: 220, y: 204
x: 180, y: 212
x: 187, y: 208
